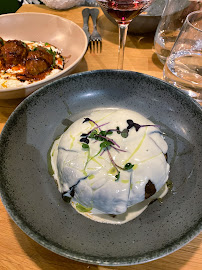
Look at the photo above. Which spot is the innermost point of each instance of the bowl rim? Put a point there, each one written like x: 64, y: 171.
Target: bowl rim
x: 37, y: 83
x: 27, y: 229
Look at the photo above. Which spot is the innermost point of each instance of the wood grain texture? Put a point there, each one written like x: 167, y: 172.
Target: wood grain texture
x: 17, y: 250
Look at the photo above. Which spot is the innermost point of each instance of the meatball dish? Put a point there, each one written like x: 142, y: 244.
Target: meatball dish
x: 25, y: 62
x: 111, y: 164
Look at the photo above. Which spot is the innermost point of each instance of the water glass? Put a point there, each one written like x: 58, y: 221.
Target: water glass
x: 172, y: 19
x: 183, y: 67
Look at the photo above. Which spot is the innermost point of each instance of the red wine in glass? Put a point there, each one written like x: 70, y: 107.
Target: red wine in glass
x: 123, y: 11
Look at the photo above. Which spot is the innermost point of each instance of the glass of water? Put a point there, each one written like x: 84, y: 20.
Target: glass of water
x: 183, y: 67
x: 172, y: 19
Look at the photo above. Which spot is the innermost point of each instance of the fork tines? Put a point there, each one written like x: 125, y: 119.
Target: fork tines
x: 95, y: 43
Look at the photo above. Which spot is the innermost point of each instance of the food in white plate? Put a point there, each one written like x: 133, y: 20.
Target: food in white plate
x: 25, y: 62
x: 112, y: 163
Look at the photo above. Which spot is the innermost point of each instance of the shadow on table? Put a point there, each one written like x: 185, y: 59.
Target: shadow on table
x: 156, y: 61
x: 6, y: 108
x: 81, y: 67
x: 43, y: 257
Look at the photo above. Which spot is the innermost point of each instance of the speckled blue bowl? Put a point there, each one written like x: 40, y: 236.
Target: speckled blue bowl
x: 31, y: 196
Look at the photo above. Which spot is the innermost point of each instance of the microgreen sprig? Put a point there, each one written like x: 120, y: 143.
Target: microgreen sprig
x: 53, y: 54
x: 137, y: 126
x: 125, y: 132
x: 107, y: 143
x: 1, y: 41
x: 104, y: 145
x: 127, y: 166
x: 97, y: 127
x: 85, y: 146
x: 88, y: 119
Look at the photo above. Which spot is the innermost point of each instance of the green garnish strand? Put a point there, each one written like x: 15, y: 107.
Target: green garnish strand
x: 105, y: 133
x: 105, y: 144
x: 169, y: 184
x: 90, y: 158
x: 85, y: 146
x: 82, y: 208
x: 117, y: 176
x: 118, y: 130
x: 53, y: 54
x: 24, y: 44
x: 160, y: 200
x: 128, y: 166
x: 1, y: 41
x: 92, y: 134
x: 124, y: 133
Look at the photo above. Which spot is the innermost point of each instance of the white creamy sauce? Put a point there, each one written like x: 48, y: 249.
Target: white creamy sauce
x: 93, y: 176
x: 8, y: 78
x: 131, y: 213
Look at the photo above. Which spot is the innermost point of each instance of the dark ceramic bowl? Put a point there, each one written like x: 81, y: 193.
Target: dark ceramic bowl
x: 31, y: 196
x: 147, y: 21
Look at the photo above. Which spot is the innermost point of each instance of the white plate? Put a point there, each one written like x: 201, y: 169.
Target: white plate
x: 62, y: 33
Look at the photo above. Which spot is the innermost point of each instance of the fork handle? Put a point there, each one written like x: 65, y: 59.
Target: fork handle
x: 94, y: 14
x: 86, y: 14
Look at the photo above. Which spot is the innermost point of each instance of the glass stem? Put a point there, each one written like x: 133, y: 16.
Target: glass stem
x: 123, y: 28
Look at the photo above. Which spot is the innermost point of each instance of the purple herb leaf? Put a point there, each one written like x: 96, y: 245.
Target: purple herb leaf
x: 117, y: 149
x: 97, y: 127
x: 86, y: 120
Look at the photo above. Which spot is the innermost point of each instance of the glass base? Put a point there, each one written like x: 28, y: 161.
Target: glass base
x: 192, y: 89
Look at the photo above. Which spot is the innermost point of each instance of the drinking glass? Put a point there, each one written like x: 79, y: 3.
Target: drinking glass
x: 123, y: 11
x: 172, y: 19
x: 183, y: 67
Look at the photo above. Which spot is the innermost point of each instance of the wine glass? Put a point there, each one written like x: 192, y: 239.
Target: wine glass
x: 123, y: 11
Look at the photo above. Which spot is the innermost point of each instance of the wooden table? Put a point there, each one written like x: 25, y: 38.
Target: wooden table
x: 17, y: 250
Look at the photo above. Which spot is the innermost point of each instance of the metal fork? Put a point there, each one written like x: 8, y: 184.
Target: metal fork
x: 86, y: 14
x: 95, y: 37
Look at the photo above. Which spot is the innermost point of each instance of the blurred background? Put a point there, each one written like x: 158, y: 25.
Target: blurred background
x: 9, y: 6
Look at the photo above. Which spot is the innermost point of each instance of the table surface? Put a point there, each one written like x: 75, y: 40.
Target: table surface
x: 17, y: 250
